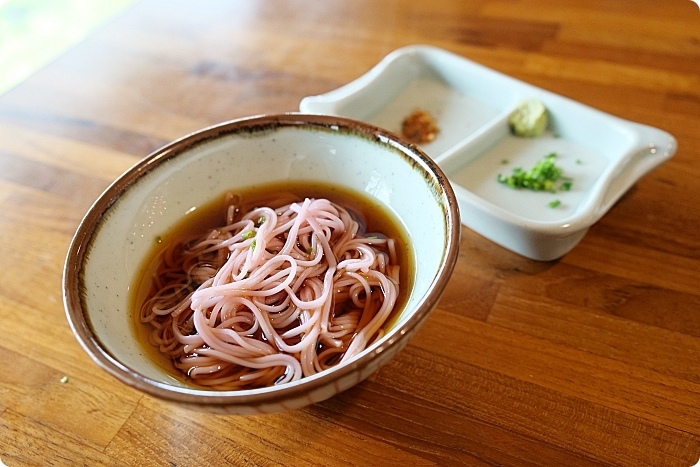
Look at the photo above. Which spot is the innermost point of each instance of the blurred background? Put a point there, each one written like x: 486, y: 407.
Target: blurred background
x: 34, y: 32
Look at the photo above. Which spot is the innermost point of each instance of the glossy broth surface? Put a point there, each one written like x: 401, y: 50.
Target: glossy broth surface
x: 375, y: 217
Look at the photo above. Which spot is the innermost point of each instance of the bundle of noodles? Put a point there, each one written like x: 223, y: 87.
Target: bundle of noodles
x: 273, y: 296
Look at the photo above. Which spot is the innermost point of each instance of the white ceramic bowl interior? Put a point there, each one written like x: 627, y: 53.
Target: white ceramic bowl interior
x: 603, y: 154
x: 156, y: 193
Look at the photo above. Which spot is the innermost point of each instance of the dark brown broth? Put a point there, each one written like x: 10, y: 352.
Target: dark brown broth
x: 213, y: 214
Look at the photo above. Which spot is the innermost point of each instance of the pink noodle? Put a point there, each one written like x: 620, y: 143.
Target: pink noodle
x: 272, y: 296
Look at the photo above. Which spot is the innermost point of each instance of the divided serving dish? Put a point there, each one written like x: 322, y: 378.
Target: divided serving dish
x: 602, y: 154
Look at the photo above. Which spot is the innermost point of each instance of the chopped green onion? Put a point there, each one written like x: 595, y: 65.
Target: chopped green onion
x: 554, y: 204
x: 541, y: 177
x: 248, y: 234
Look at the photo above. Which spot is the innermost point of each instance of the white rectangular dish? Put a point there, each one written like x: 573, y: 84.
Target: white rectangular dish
x: 603, y: 155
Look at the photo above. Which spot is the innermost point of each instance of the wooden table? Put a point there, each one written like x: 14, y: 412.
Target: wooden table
x: 593, y: 359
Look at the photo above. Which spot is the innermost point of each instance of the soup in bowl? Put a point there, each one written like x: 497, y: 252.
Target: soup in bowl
x: 262, y: 264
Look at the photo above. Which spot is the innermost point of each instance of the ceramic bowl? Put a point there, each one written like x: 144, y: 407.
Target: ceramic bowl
x: 158, y: 191
x: 603, y: 154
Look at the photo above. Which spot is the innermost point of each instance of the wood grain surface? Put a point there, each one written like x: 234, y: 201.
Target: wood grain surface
x: 593, y: 359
